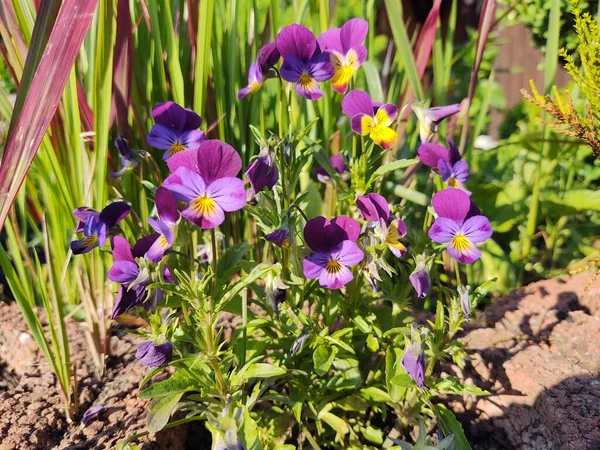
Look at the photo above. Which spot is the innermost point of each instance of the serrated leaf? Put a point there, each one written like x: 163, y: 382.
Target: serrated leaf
x: 160, y: 410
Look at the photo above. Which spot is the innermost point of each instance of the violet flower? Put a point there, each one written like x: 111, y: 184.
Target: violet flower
x: 279, y: 237
x: 419, y: 278
x: 130, y: 158
x: 152, y: 355
x: 130, y: 272
x: 339, y: 165
x: 430, y: 118
x: 262, y: 173
x: 205, y: 179
x: 97, y: 226
x: 92, y: 413
x: 372, y: 119
x: 260, y: 71
x: 452, y: 169
x: 175, y: 130
x: 459, y: 224
x: 413, y: 363
x: 374, y: 208
x: 168, y: 217
x: 346, y: 49
x: 334, y: 250
x: 304, y: 64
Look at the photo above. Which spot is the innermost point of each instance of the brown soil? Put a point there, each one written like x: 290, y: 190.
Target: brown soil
x: 31, y: 415
x: 537, y: 351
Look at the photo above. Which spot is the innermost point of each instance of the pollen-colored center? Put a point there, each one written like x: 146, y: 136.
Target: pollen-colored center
x: 453, y: 182
x: 203, y: 205
x: 306, y: 80
x: 461, y: 242
x: 177, y: 147
x: 333, y: 266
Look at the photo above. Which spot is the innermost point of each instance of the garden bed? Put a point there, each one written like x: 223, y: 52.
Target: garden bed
x: 535, y: 350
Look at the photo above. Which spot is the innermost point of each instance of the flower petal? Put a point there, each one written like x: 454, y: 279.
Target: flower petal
x: 348, y: 253
x: 296, y: 40
x: 81, y: 246
x: 385, y: 137
x: 452, y: 203
x: 123, y: 271
x: 166, y: 205
x: 310, y: 90
x: 431, y: 154
x: 142, y: 245
x: 373, y: 207
x: 205, y: 217
x: 121, y: 249
x: 336, y: 280
x: 443, y: 230
x: 185, y: 184
x: 339, y: 163
x: 362, y: 124
x: 114, y: 213
x: 157, y: 250
x: 170, y: 115
x: 320, y: 67
x: 292, y: 68
x: 357, y: 102
x: 386, y: 114
x: 353, y: 33
x: 228, y: 193
x: 217, y: 159
x: 268, y: 56
x: 346, y: 228
x: 465, y: 254
x: 330, y: 40
x: 477, y: 229
x: 315, y: 264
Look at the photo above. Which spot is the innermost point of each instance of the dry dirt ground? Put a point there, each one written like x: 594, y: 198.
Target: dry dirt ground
x: 535, y: 350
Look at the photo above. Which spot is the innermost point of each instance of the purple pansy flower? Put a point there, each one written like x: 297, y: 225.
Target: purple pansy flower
x: 335, y: 250
x: 133, y: 279
x: 152, y: 355
x: 374, y: 208
x: 452, y: 169
x: 459, y: 225
x: 346, y: 49
x: 260, y: 71
x: 304, y: 64
x: 262, y: 173
x: 92, y: 413
x: 339, y: 165
x: 130, y: 158
x: 168, y: 216
x: 371, y: 118
x: 419, y: 278
x: 175, y: 130
x: 430, y: 118
x: 413, y: 363
x: 97, y: 226
x: 206, y: 179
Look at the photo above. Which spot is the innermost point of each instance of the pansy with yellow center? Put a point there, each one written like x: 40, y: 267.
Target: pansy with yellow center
x: 371, y: 119
x: 304, y: 63
x: 334, y: 250
x: 206, y: 180
x: 459, y: 224
x: 346, y: 50
x: 175, y: 129
x: 168, y: 217
x: 447, y: 161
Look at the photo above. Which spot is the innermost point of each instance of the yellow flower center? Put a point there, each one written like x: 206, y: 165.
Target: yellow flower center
x: 333, y: 266
x: 177, y: 147
x: 203, y: 205
x: 461, y: 242
x: 453, y: 182
x: 306, y: 81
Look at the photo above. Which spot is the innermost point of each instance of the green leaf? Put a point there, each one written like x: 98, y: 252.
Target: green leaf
x: 323, y: 358
x: 410, y: 194
x: 403, y: 380
x: 392, y: 356
x: 335, y: 422
x: 374, y: 394
x: 451, y: 385
x: 572, y: 202
x: 160, y: 410
x: 391, y: 167
x: 373, y: 81
x: 181, y: 381
x: 262, y: 370
x: 257, y: 273
x: 450, y: 425
x: 372, y: 434
x: 362, y: 324
x: 228, y: 263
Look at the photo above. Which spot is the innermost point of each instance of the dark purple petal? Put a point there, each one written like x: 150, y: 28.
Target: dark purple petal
x: 268, y: 56
x: 357, y: 102
x: 129, y: 298
x: 296, y: 40
x: 166, y: 205
x: 217, y: 159
x: 162, y: 137
x: 320, y: 67
x: 81, y: 246
x: 454, y: 152
x: 477, y: 229
x: 278, y: 237
x: 415, y: 365
x: 373, y: 207
x: 92, y: 413
x: 339, y: 163
x: 330, y: 40
x: 82, y: 214
x: 151, y: 355
x: 353, y: 33
x: 420, y: 281
x: 451, y: 203
x: 143, y: 245
x: 346, y: 228
x: 320, y: 235
x: 262, y: 173
x: 445, y: 169
x: 173, y: 116
x: 114, y: 213
x: 123, y: 148
x: 430, y: 154
x: 292, y: 68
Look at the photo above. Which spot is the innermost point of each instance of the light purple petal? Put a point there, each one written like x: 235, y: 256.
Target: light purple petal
x: 353, y: 33
x: 451, y: 203
x: 217, y: 159
x: 421, y: 282
x: 244, y: 92
x: 336, y: 280
x: 445, y: 169
x: 414, y: 366
x: 430, y: 154
x: 461, y: 171
x: 310, y: 92
x: 373, y: 207
x: 464, y: 255
x: 439, y: 113
x: 162, y: 137
x: 330, y: 40
x: 92, y: 413
x: 477, y: 229
x: 185, y: 184
x: 443, y: 230
x: 82, y: 214
x: 361, y: 54
x: 123, y: 272
x: 191, y: 139
x: 166, y: 205
x: 157, y: 250
x: 357, y: 102
x: 348, y: 253
x: 315, y: 264
x: 228, y: 193
x: 296, y: 40
x: 205, y: 220
x: 186, y: 158
x: 163, y: 228
x: 339, y: 164
x: 121, y: 250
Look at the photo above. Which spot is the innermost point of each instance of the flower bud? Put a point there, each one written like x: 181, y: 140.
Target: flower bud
x: 413, y: 363
x: 151, y: 355
x: 420, y: 278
